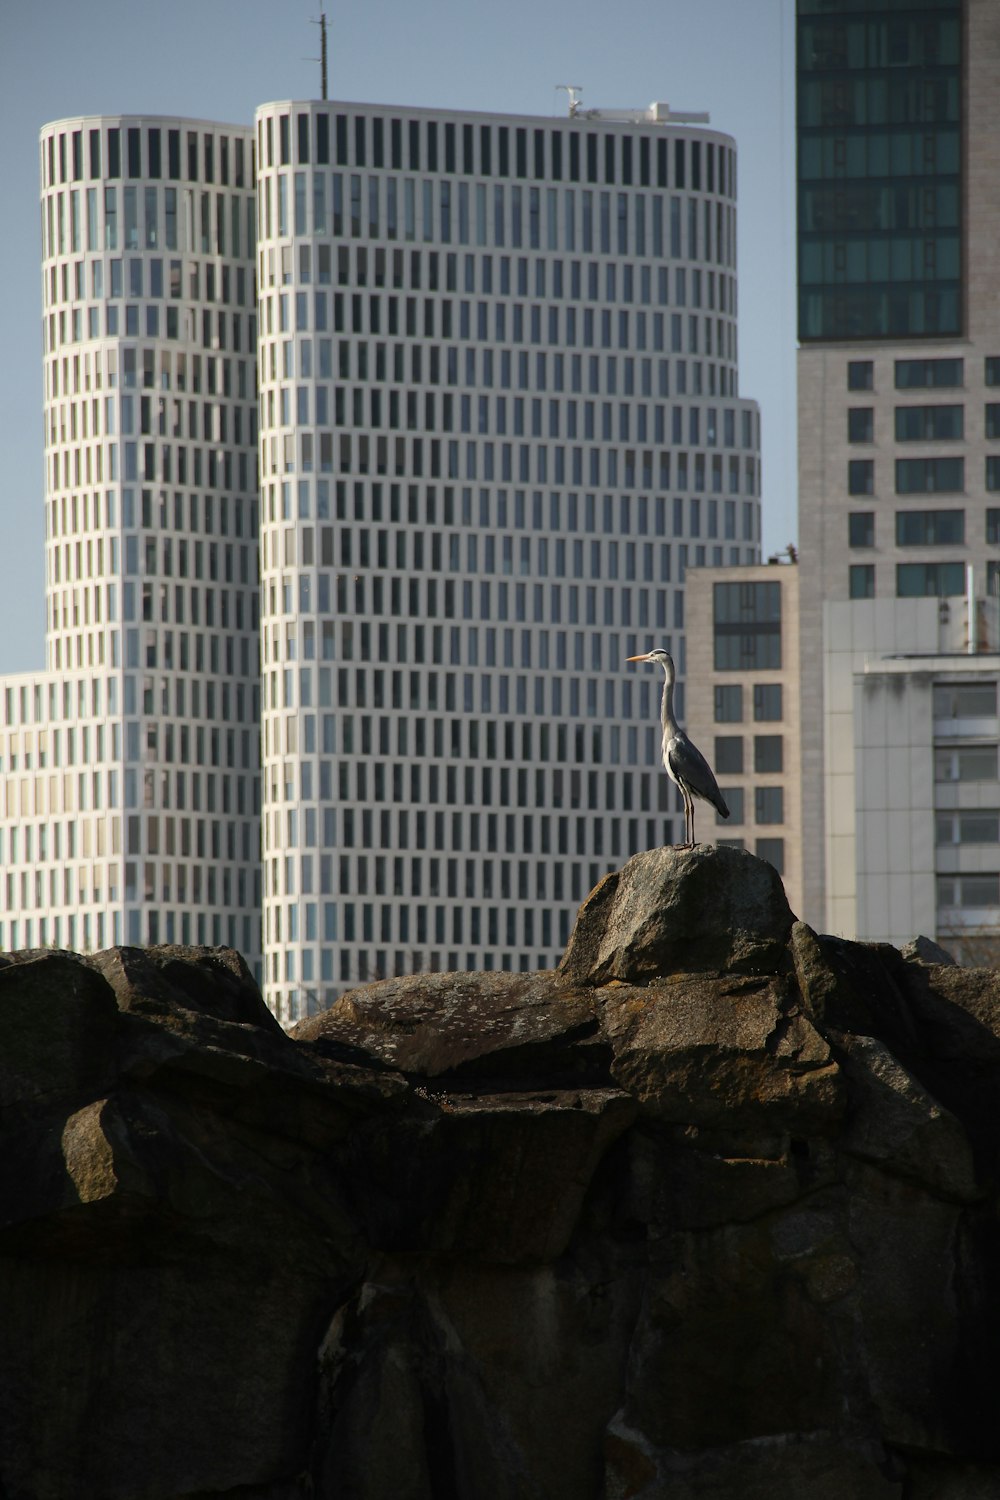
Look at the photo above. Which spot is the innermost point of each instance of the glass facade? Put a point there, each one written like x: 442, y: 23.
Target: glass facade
x: 747, y: 619
x: 879, y: 169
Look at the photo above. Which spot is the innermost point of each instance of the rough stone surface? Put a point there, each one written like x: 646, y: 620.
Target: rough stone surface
x: 672, y: 911
x: 896, y: 1122
x: 723, y: 1052
x: 213, y: 982
x: 926, y: 951
x: 706, y: 1215
x: 468, y: 1026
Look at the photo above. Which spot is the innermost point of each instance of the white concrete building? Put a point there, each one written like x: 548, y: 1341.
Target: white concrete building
x: 499, y: 418
x: 129, y: 764
x: 913, y: 787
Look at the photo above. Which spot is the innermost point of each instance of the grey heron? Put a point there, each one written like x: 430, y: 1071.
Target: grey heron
x: 684, y: 762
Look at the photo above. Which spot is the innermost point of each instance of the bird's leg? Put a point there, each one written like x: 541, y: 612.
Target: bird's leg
x: 688, y: 820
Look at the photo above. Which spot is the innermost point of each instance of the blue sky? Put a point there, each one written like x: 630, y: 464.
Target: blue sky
x: 219, y: 59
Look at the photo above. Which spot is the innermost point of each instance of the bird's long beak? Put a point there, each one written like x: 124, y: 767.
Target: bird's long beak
x: 644, y: 657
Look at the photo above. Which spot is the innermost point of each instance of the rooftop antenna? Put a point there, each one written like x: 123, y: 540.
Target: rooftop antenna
x: 574, y: 91
x: 321, y: 23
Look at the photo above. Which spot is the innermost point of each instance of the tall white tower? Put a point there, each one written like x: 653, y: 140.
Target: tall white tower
x: 129, y: 808
x: 499, y: 420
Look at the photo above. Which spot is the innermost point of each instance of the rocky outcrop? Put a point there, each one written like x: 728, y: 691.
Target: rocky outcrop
x: 710, y: 1211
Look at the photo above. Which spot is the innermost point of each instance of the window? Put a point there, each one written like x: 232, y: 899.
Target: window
x: 992, y: 419
x: 767, y: 702
x: 729, y: 704
x: 773, y: 850
x: 993, y: 526
x: 929, y: 528
x: 965, y: 700
x: 734, y: 801
x: 747, y: 620
x: 861, y: 476
x: 980, y: 825
x: 915, y: 374
x: 768, y: 754
x: 861, y: 528
x: 769, y: 804
x: 729, y: 755
x: 860, y: 375
x: 992, y: 369
x: 917, y: 475
x: 860, y: 424
x: 861, y: 581
x: 968, y: 890
x: 965, y: 763
x: 993, y: 473
x: 922, y: 424
x: 936, y: 580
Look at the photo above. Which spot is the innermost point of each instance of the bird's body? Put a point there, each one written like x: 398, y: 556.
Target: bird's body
x: 683, y: 761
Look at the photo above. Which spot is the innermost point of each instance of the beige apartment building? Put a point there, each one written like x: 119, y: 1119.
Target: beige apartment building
x: 899, y: 361
x: 743, y: 708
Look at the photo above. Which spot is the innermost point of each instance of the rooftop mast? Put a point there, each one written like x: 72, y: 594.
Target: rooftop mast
x: 321, y: 23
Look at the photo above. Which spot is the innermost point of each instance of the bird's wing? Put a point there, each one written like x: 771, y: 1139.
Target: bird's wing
x: 687, y: 764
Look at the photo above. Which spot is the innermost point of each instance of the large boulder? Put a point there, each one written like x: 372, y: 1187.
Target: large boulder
x: 898, y: 1124
x: 57, y: 1028
x: 681, y: 911
x: 161, y: 981
x: 726, y: 1053
x: 472, y: 1027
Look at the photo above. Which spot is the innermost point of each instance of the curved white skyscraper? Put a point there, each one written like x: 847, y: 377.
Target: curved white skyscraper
x: 130, y: 765
x: 499, y: 419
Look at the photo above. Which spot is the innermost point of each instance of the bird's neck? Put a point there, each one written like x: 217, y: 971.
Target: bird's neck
x: 667, y: 704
